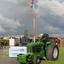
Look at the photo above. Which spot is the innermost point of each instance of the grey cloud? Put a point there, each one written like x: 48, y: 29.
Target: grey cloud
x: 13, y: 1
x: 9, y: 25
x: 54, y: 6
x: 48, y: 19
x: 51, y: 24
x: 15, y: 12
x: 60, y: 1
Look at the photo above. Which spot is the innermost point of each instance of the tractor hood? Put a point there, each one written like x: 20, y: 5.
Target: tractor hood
x: 35, y: 44
x: 32, y: 44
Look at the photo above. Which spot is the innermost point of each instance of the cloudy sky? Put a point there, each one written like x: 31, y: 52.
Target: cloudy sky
x: 15, y: 16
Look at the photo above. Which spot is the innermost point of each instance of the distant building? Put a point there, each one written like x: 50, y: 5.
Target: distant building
x: 6, y: 38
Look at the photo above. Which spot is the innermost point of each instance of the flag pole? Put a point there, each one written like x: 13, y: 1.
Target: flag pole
x: 34, y: 20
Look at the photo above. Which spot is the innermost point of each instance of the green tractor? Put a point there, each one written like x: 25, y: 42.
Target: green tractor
x: 45, y: 49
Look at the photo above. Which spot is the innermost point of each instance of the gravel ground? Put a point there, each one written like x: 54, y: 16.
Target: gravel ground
x: 4, y: 58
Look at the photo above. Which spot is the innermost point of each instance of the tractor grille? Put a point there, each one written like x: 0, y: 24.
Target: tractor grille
x: 36, y: 48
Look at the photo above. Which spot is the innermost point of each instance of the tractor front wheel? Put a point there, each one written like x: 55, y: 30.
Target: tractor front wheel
x: 37, y: 60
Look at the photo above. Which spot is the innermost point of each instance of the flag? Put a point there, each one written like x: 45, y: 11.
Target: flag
x: 32, y: 3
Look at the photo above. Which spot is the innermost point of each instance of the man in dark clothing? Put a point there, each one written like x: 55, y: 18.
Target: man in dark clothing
x: 45, y: 39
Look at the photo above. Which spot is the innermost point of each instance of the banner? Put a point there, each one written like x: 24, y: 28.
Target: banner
x: 14, y: 51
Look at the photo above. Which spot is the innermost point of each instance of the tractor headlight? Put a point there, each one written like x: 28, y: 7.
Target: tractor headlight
x: 29, y: 58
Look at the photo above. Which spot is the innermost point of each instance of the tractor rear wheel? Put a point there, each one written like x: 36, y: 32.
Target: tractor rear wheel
x: 52, y: 52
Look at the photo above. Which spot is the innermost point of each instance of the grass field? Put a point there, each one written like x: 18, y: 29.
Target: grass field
x: 59, y: 61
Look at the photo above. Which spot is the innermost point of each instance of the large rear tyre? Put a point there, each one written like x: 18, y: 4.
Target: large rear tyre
x: 52, y: 52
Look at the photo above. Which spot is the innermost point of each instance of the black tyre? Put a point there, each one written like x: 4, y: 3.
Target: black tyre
x: 22, y: 63
x: 52, y: 52
x: 36, y: 60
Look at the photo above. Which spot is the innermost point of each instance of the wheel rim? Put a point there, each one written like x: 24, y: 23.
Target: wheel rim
x: 55, y: 53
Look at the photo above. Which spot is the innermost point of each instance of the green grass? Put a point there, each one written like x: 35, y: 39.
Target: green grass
x: 59, y: 61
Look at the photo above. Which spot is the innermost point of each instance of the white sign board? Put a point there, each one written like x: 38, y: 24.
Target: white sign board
x: 14, y: 51
x: 11, y: 42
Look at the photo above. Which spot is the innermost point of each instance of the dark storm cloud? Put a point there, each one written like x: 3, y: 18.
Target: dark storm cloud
x: 50, y: 16
x: 60, y: 1
x: 11, y: 16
